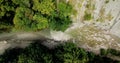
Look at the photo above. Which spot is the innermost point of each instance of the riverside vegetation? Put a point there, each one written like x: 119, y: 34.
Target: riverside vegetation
x: 64, y: 53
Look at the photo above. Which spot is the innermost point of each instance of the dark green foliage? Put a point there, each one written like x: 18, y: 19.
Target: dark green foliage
x: 91, y: 56
x: 58, y: 23
x: 110, y: 51
x: 4, y: 27
x: 69, y: 53
x: 43, y: 53
x: 10, y: 55
x: 113, y: 52
x: 22, y: 3
x: 64, y: 53
x: 103, y: 52
x: 34, y: 15
x: 35, y: 53
x: 60, y: 19
x: 6, y: 15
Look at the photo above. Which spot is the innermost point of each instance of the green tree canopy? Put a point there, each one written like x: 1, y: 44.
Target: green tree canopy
x: 35, y: 15
x: 23, y: 18
x: 44, y: 6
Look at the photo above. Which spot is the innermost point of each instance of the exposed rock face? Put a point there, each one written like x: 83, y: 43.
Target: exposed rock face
x: 96, y: 24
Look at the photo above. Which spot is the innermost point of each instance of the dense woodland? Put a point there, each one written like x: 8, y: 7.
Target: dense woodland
x: 64, y: 53
x: 34, y: 15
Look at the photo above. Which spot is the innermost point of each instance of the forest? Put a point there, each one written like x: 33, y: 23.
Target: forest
x: 34, y: 15
x: 64, y: 53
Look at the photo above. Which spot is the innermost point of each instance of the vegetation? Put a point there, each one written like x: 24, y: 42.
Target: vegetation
x: 90, y: 7
x: 87, y: 16
x: 34, y: 15
x: 5, y: 27
x: 106, y: 1
x: 64, y: 53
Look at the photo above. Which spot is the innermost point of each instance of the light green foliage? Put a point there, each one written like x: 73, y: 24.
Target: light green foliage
x: 64, y: 9
x: 41, y: 21
x: 22, y: 19
x: 25, y: 19
x: 44, y: 6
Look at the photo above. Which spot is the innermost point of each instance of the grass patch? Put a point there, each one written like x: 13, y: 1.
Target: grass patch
x: 87, y: 16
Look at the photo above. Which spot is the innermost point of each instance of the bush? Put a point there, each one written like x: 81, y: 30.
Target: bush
x: 87, y: 16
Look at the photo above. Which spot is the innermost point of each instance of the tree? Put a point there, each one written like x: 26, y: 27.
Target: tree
x: 23, y: 18
x: 70, y: 53
x: 60, y: 19
x: 44, y: 6
x: 64, y: 9
x: 7, y: 9
x: 103, y: 52
x: 24, y: 59
x: 22, y: 3
x: 41, y: 22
